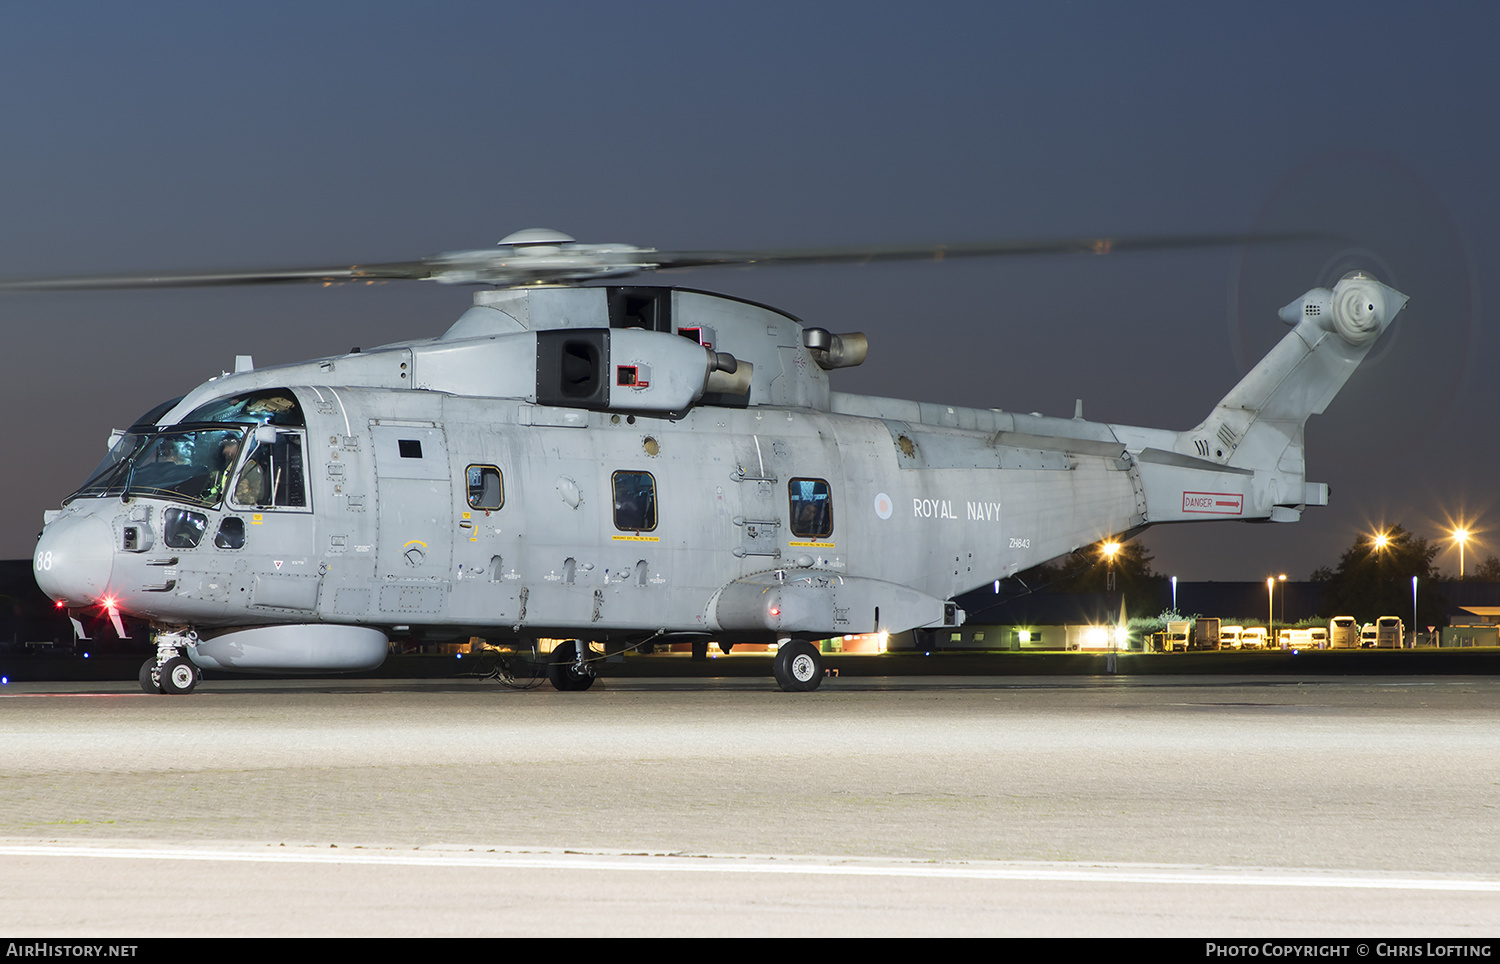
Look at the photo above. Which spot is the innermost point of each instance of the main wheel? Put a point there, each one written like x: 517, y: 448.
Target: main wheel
x: 178, y: 676
x: 148, y: 682
x: 798, y: 667
x: 562, y: 668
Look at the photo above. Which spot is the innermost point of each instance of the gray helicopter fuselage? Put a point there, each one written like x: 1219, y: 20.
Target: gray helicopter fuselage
x: 590, y: 462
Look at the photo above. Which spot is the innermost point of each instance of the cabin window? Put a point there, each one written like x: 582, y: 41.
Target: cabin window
x: 486, y: 487
x: 635, y: 501
x: 812, y: 508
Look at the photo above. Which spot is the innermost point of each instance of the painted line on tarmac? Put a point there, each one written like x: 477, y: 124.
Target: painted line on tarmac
x: 791, y: 865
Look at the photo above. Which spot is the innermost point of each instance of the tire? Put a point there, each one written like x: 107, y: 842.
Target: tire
x: 147, y: 683
x: 562, y: 669
x: 798, y: 667
x: 178, y: 677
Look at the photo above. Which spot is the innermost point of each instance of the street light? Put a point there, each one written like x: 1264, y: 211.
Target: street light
x: 1110, y: 549
x: 1282, y: 580
x: 1270, y: 610
x: 1461, y: 536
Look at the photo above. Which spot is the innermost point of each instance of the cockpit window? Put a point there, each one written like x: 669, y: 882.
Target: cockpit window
x: 186, y: 464
x: 273, y: 475
x: 123, y: 445
x: 149, y: 421
x: 276, y: 406
x: 108, y: 477
x: 183, y: 528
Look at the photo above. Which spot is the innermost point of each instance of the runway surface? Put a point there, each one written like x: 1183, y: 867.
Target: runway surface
x: 1064, y: 806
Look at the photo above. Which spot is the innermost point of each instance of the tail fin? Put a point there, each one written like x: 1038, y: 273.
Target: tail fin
x: 1247, y: 455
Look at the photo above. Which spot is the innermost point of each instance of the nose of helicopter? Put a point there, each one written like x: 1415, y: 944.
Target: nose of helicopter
x: 74, y: 558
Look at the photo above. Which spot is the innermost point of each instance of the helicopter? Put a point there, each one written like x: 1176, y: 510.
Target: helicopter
x: 609, y: 464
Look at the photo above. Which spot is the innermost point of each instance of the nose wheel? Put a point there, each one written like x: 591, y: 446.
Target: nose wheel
x: 176, y: 677
x: 170, y: 672
x: 179, y: 676
x: 149, y: 678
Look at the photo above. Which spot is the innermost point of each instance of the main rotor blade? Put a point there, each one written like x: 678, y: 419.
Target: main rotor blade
x: 977, y: 249
x: 393, y: 271
x: 517, y: 264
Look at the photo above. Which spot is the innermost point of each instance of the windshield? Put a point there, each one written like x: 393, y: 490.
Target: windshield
x: 108, y: 474
x: 187, y: 464
x: 184, y: 463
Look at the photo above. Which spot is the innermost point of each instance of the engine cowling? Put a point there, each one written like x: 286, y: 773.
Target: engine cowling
x: 631, y: 370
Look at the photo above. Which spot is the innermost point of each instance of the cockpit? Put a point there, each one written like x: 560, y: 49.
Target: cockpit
x: 246, y: 447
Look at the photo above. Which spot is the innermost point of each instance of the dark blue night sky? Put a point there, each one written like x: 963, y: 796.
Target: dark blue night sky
x: 164, y: 135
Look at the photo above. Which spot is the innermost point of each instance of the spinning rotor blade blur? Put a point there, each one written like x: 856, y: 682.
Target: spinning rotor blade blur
x: 540, y: 256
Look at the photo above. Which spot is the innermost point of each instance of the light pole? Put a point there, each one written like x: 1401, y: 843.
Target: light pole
x: 1461, y: 536
x: 1174, y: 595
x: 1270, y: 611
x: 1413, y: 612
x: 1109, y: 549
x: 1282, y: 580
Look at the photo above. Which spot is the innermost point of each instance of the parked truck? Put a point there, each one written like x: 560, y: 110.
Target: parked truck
x: 1206, y: 632
x: 1390, y: 632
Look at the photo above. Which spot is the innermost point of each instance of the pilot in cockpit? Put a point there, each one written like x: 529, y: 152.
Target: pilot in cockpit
x: 251, y: 487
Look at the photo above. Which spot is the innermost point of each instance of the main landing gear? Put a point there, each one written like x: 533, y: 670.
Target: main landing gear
x: 170, y: 672
x: 798, y: 667
x: 568, y: 667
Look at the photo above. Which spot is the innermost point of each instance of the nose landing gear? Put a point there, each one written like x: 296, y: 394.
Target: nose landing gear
x: 170, y: 672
